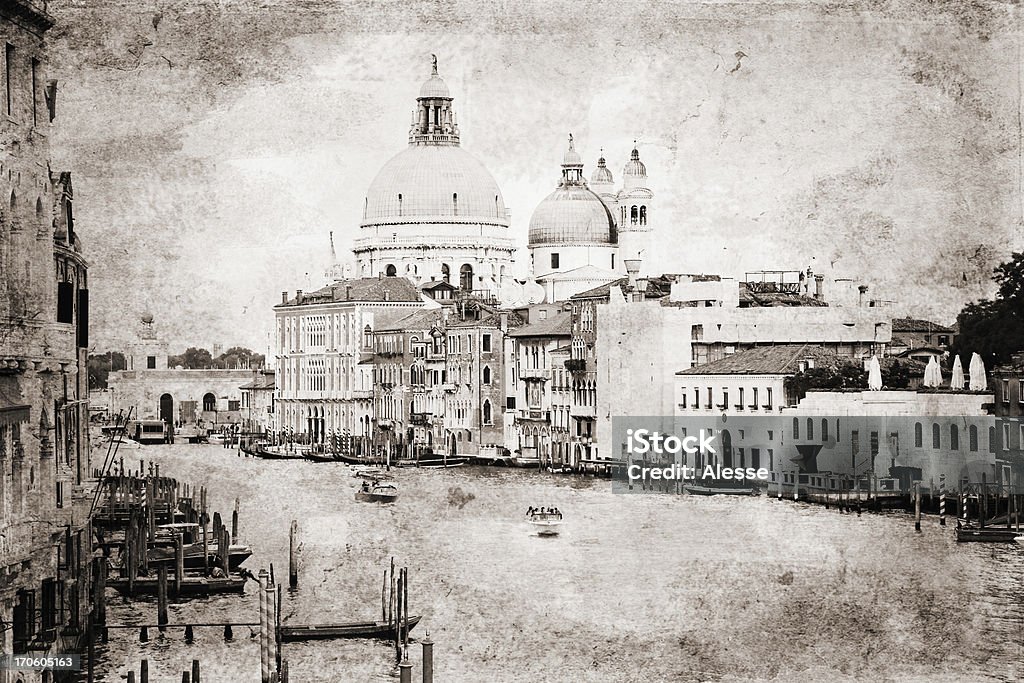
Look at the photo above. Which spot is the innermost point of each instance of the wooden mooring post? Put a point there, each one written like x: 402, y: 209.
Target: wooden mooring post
x: 234, y: 523
x: 428, y: 659
x: 293, y: 566
x: 161, y: 597
x: 917, y: 506
x: 942, y: 500
x: 264, y: 624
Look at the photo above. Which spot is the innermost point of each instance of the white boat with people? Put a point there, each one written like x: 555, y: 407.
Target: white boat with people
x: 377, y: 492
x: 545, y: 519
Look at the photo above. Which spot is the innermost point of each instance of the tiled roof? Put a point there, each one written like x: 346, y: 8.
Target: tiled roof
x: 782, y: 359
x: 557, y: 325
x: 417, y: 320
x: 364, y: 289
x: 492, y: 320
x: 918, y: 325
x: 264, y: 380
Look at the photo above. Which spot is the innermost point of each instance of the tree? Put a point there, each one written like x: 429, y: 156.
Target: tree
x: 843, y: 376
x: 239, y: 357
x: 896, y: 376
x: 192, y: 359
x: 995, y: 329
x: 101, y: 365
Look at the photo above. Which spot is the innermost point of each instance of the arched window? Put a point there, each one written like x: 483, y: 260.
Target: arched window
x: 487, y: 412
x: 972, y: 435
x: 487, y: 375
x: 954, y: 437
x: 399, y: 204
x: 643, y: 215
x: 634, y: 215
x: 391, y: 271
x: 824, y: 430
x: 936, y: 436
x: 455, y: 203
x: 39, y: 207
x: 796, y: 428
x: 918, y: 435
x: 367, y: 337
x: 810, y: 429
x: 466, y: 278
x: 446, y: 273
x: 209, y: 402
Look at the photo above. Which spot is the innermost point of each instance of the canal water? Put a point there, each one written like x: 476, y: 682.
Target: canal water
x: 635, y: 588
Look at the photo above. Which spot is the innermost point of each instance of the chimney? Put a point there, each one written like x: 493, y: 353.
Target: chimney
x: 819, y: 283
x: 632, y: 270
x: 503, y: 321
x: 863, y: 289
x: 380, y: 275
x: 298, y: 296
x: 387, y: 295
x: 284, y: 297
x: 348, y: 292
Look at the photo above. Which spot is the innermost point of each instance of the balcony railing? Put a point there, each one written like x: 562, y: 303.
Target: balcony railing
x: 534, y: 373
x: 576, y: 365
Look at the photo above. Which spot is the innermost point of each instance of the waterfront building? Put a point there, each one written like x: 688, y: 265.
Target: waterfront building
x: 905, y: 436
x: 45, y: 466
x: 408, y: 374
x: 208, y: 397
x: 324, y: 341
x: 258, y: 404
x: 1008, y: 382
x: 478, y: 419
x: 433, y: 211
x: 913, y: 337
x: 642, y: 343
x: 541, y: 385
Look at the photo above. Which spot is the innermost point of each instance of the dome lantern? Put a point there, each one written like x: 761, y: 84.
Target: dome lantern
x: 433, y: 120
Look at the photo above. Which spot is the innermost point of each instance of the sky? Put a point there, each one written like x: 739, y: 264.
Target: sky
x: 214, y: 146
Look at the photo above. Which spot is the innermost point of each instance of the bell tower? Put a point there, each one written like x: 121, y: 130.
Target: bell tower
x: 634, y: 205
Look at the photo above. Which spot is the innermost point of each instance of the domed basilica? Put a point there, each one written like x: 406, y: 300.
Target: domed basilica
x: 434, y: 211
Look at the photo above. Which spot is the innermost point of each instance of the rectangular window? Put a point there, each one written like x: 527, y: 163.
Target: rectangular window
x: 755, y: 458
x: 697, y: 333
x: 753, y: 405
x: 82, y: 330
x: 1006, y: 436
x: 682, y: 403
x: 771, y: 459
x: 771, y: 435
x: 554, y: 259
x: 740, y: 403
x: 510, y: 403
x: 1006, y: 391
x: 485, y: 343
x: 65, y: 302
x: 711, y: 400
x: 743, y: 462
x: 725, y: 398
x: 9, y: 76
x: 874, y: 445
x: 232, y: 405
x: 768, y: 398
x: 151, y: 362
x: 696, y: 397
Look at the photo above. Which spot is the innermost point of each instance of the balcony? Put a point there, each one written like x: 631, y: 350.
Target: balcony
x: 534, y: 373
x: 576, y: 365
x: 419, y: 418
x: 534, y: 415
x: 738, y: 406
x: 582, y: 411
x: 450, y: 387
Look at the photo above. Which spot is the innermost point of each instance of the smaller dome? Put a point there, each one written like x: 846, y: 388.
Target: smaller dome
x: 434, y: 87
x: 634, y: 167
x: 602, y: 174
x: 572, y: 157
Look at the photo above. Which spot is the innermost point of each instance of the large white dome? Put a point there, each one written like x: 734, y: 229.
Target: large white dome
x: 434, y: 184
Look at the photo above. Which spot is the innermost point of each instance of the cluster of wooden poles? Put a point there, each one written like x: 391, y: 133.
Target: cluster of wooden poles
x: 192, y: 676
x: 394, y: 609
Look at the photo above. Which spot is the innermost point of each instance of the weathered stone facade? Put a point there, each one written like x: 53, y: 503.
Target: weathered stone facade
x: 45, y: 496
